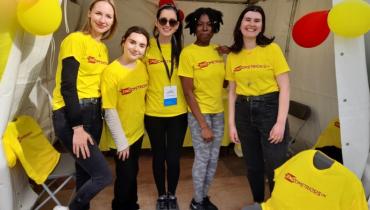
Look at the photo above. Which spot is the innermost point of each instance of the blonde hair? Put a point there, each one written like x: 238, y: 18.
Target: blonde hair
x: 87, y: 27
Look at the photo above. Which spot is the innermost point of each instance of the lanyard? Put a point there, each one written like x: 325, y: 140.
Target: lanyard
x: 168, y: 71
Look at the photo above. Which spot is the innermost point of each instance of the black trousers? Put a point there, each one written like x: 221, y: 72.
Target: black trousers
x: 92, y: 174
x: 125, y: 185
x: 254, y: 119
x: 166, y: 136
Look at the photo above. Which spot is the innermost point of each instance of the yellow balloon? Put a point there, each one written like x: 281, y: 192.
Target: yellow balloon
x: 8, y: 18
x: 39, y: 17
x: 350, y: 18
x: 6, y: 42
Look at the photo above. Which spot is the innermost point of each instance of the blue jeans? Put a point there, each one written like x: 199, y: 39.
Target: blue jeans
x: 93, y: 173
x: 254, y: 119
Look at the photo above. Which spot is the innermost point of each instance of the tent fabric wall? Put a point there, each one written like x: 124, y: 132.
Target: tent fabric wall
x: 313, y: 79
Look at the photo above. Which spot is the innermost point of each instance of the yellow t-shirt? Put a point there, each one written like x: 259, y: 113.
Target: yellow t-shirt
x: 301, y: 186
x: 124, y: 89
x: 255, y: 71
x: 93, y: 58
x: 158, y: 79
x: 207, y: 69
x: 330, y: 136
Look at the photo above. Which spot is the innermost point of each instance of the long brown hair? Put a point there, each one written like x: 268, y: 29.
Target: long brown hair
x: 87, y: 27
x: 261, y: 39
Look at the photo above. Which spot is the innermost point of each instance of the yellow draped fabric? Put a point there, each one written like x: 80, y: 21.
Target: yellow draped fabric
x: 24, y: 140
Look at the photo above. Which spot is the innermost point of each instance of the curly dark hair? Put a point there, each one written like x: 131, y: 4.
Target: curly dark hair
x: 214, y: 16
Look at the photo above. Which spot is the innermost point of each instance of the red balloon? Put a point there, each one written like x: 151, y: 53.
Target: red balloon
x: 311, y: 29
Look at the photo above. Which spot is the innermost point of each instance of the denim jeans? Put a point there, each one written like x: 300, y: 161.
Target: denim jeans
x: 254, y: 119
x: 93, y: 173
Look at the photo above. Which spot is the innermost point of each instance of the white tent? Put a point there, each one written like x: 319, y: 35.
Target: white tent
x: 331, y: 78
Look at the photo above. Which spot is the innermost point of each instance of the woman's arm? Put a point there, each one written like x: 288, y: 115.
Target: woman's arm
x: 188, y: 87
x: 233, y: 134
x: 68, y: 90
x: 277, y: 131
x: 80, y: 137
x: 118, y: 134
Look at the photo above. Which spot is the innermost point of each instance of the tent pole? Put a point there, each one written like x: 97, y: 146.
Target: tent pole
x: 291, y: 22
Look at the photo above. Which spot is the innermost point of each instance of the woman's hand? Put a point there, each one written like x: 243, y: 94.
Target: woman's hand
x: 207, y: 134
x: 233, y: 134
x: 277, y: 133
x: 223, y: 50
x: 80, y: 140
x: 124, y: 154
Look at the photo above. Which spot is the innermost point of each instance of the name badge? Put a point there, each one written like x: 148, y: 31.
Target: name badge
x: 170, y: 96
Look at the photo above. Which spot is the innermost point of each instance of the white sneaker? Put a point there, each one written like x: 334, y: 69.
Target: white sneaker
x: 60, y: 208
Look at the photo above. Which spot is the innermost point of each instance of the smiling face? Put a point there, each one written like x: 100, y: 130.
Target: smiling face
x: 101, y: 18
x: 204, y: 30
x: 164, y: 22
x: 134, y: 46
x: 251, y: 24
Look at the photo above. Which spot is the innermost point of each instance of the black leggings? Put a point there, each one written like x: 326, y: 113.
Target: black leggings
x: 166, y: 135
x: 125, y: 185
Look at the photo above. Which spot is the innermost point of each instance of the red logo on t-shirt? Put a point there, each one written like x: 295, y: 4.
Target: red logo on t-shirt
x: 205, y: 64
x: 290, y: 177
x: 91, y: 59
x: 125, y: 91
x: 153, y: 61
x: 238, y: 68
x: 129, y: 90
x: 251, y: 67
x: 294, y: 180
x: 20, y: 138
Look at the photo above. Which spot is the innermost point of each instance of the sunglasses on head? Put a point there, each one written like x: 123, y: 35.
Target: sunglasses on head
x: 171, y: 22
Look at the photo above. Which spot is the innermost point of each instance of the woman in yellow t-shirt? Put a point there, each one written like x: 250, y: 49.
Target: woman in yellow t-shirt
x: 77, y: 116
x: 202, y: 72
x: 165, y: 114
x: 124, y: 84
x: 258, y: 99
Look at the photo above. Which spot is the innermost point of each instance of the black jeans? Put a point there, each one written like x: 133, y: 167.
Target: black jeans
x: 254, y: 119
x: 92, y: 174
x: 166, y: 135
x: 125, y: 186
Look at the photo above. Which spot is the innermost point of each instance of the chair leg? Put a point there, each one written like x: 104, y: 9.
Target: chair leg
x: 52, y: 194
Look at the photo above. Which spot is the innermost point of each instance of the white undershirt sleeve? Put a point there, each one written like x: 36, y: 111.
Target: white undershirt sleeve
x: 114, y: 124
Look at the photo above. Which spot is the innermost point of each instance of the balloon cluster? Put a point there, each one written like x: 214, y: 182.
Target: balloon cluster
x: 39, y: 17
x: 349, y: 18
